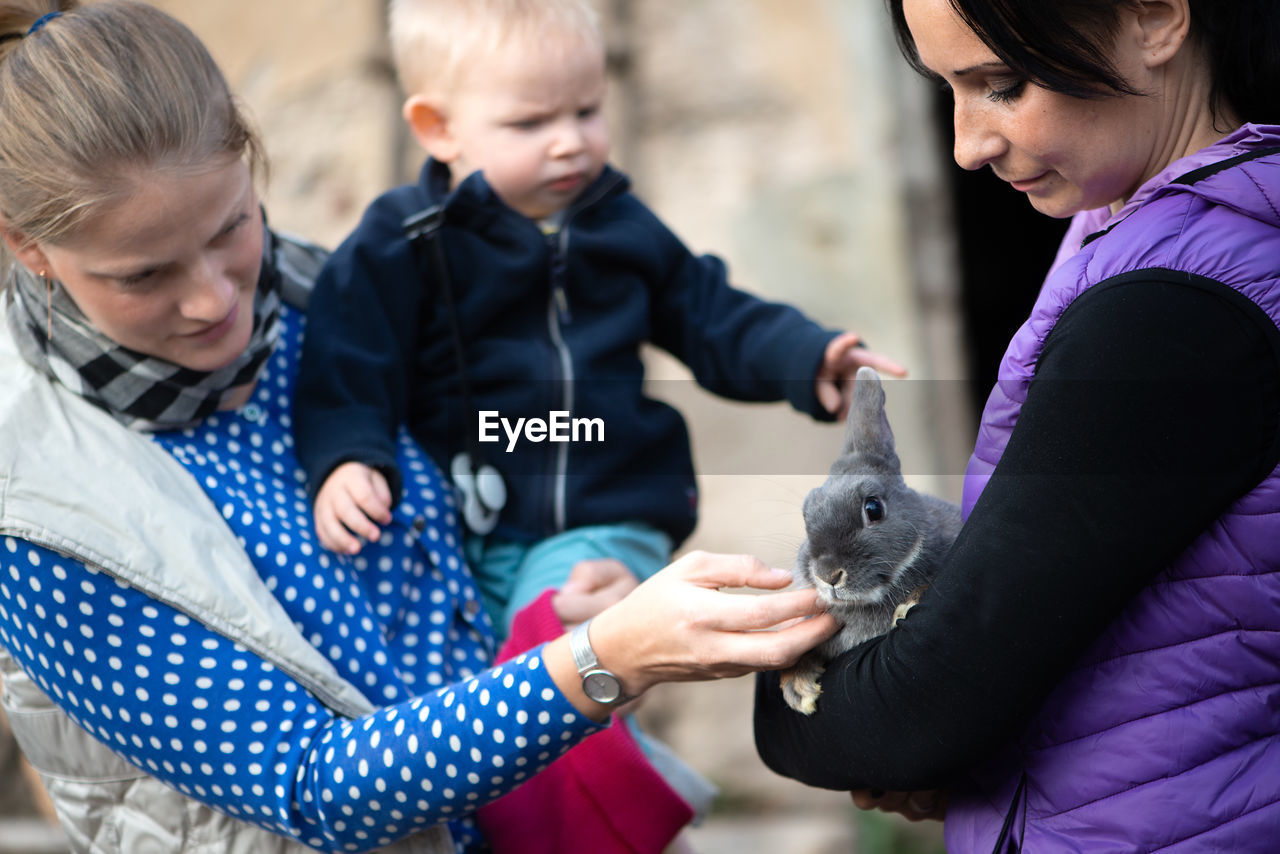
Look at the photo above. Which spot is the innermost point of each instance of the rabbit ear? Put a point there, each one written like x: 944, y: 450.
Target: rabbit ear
x: 867, y: 427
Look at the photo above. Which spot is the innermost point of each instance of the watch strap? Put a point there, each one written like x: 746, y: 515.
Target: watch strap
x: 584, y: 658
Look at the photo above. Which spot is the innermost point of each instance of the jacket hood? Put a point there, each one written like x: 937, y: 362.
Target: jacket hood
x: 1252, y: 189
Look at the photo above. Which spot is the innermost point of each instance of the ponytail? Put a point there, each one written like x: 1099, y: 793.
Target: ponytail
x: 19, y: 20
x: 95, y: 95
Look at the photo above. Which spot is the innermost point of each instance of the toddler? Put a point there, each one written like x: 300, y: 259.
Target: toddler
x: 498, y: 305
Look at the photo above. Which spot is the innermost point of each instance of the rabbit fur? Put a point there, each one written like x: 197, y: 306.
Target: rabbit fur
x: 872, y: 543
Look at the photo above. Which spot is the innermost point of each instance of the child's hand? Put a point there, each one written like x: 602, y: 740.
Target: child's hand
x: 834, y: 382
x: 352, y: 498
x: 592, y: 586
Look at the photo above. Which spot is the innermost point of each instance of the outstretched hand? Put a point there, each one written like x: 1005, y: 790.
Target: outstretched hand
x: 840, y: 362
x: 682, y: 625
x: 592, y: 586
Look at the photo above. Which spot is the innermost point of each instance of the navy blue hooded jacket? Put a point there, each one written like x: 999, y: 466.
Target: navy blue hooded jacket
x: 550, y: 323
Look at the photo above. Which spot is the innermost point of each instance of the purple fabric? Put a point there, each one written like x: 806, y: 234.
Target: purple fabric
x: 1164, y: 736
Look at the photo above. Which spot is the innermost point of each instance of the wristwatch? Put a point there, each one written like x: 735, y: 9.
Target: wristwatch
x: 597, y: 683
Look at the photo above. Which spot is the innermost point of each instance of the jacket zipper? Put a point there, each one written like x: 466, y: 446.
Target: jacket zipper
x: 558, y: 316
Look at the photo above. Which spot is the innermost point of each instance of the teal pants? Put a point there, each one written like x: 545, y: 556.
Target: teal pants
x: 511, y: 575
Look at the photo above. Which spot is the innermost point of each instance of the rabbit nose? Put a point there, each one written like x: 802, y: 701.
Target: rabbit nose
x: 835, y: 578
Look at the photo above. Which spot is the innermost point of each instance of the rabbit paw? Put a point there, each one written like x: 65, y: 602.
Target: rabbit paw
x: 800, y: 685
x: 902, y: 609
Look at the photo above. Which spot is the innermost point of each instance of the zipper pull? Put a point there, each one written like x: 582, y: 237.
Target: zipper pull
x: 562, y: 304
x: 559, y: 265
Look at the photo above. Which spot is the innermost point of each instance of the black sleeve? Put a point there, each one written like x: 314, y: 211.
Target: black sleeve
x: 1156, y: 402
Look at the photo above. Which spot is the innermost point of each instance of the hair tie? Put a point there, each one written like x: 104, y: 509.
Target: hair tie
x: 41, y: 21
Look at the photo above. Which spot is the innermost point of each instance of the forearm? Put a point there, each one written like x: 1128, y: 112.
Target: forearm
x: 560, y: 667
x: 215, y: 721
x: 911, y: 709
x: 1151, y: 411
x: 1026, y: 589
x: 736, y: 344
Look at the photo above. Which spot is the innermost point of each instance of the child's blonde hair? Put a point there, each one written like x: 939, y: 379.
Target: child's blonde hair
x: 432, y: 41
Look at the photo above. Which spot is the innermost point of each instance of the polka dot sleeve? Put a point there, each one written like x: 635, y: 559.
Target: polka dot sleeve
x: 224, y: 726
x: 402, y: 622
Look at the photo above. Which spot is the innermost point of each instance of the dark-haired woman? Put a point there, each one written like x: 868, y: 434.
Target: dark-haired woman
x: 1098, y: 666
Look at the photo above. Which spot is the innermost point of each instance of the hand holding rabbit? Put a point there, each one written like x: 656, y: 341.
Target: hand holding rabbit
x: 681, y: 626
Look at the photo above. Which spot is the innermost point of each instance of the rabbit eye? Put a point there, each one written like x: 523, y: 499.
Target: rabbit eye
x: 873, y: 509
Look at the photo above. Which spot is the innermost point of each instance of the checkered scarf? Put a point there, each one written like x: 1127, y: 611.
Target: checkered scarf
x: 140, y: 391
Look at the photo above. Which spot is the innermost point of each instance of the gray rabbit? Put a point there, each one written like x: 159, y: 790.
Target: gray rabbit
x: 873, y: 543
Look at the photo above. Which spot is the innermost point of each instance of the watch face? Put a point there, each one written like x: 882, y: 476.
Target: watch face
x: 601, y: 686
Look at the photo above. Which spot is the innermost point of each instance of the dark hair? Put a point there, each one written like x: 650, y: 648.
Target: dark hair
x: 1062, y: 45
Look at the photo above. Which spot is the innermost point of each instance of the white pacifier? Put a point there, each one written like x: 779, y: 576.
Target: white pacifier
x: 484, y: 493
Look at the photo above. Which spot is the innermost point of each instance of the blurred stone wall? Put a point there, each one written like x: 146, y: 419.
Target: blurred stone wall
x: 786, y: 136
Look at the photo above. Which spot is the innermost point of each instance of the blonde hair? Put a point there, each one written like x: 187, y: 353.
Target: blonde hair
x: 98, y: 96
x: 432, y: 41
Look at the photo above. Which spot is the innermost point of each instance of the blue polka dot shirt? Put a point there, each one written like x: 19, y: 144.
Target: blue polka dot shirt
x: 402, y: 622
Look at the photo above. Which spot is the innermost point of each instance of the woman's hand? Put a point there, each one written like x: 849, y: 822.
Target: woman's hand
x: 680, y: 626
x: 914, y: 806
x: 592, y: 586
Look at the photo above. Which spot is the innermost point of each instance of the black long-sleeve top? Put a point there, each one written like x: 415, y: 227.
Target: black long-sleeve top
x: 1154, y: 406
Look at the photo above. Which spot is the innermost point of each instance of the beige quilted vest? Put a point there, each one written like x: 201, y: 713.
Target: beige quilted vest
x: 74, y: 481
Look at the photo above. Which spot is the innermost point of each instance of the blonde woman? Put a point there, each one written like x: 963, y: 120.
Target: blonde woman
x: 184, y: 665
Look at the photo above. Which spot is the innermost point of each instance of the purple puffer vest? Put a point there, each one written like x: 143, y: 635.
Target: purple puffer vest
x: 1164, y: 737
